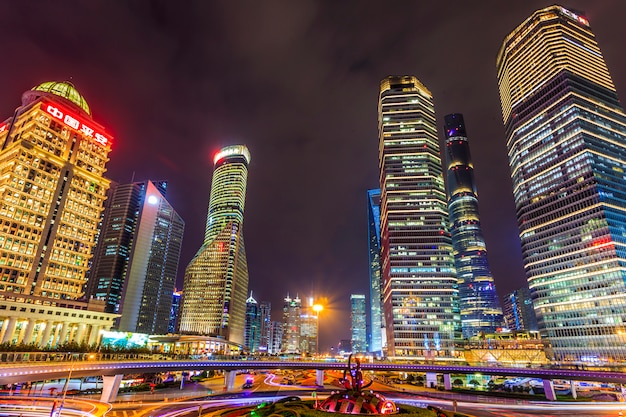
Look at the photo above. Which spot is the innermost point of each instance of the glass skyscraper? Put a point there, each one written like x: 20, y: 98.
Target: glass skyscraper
x: 478, y: 300
x: 358, y: 322
x: 136, y: 260
x: 519, y: 312
x: 375, y: 336
x: 566, y: 139
x: 419, y: 281
x: 292, y: 310
x: 252, y: 334
x: 216, y: 279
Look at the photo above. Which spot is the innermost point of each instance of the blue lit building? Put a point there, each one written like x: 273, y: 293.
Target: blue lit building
x: 519, y: 312
x: 376, y: 324
x: 358, y: 323
x: 252, y: 332
x: 173, y: 324
x: 478, y: 300
x: 566, y: 137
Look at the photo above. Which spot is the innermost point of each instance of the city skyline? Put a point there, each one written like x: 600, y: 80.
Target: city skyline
x: 169, y: 98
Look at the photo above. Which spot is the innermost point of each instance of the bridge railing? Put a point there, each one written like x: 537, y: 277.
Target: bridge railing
x: 21, y: 357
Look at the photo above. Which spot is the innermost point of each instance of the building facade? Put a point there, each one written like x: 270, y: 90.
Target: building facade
x: 216, y: 280
x: 375, y: 336
x: 252, y: 333
x: 419, y: 284
x: 358, y: 322
x: 566, y: 139
x: 276, y: 338
x: 136, y: 260
x: 519, y: 312
x: 172, y: 326
x: 53, y: 157
x: 292, y: 311
x: 478, y: 300
x: 309, y: 327
x: 265, y: 309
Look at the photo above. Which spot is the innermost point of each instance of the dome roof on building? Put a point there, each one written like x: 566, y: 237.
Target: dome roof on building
x: 66, y: 90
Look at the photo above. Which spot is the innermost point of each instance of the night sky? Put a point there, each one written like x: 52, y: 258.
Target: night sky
x: 297, y: 82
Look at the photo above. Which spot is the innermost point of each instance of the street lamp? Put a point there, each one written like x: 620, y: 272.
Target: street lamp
x: 317, y: 308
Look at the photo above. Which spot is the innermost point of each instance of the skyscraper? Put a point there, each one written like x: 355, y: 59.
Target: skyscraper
x: 173, y: 323
x: 265, y: 309
x: 252, y: 333
x: 53, y: 157
x: 419, y: 285
x: 216, y: 279
x: 357, y: 323
x: 292, y: 309
x: 375, y: 336
x: 519, y: 312
x: 136, y: 261
x: 478, y: 300
x: 566, y: 139
x: 309, y: 327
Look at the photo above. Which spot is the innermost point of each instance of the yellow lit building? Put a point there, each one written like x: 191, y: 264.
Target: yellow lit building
x: 216, y: 279
x: 52, y: 187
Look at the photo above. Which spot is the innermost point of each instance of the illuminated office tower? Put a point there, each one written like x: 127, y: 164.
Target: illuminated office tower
x: 252, y: 333
x: 53, y: 157
x: 478, y: 300
x: 136, y: 260
x: 375, y: 336
x: 419, y: 282
x: 358, y: 322
x: 216, y: 280
x: 292, y: 310
x: 566, y: 140
x: 519, y: 312
x: 265, y: 310
x: 173, y: 322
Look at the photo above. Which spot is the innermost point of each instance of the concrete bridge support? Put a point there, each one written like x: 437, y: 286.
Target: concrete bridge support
x: 548, y: 389
x: 431, y: 380
x: 229, y: 380
x: 572, y: 385
x: 319, y: 377
x: 447, y: 384
x: 110, y: 387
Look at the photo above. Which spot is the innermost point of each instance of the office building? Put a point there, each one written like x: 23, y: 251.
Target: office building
x: 519, y: 312
x: 358, y: 322
x: 216, y: 280
x: 276, y: 338
x: 252, y: 332
x: 53, y: 157
x: 419, y: 284
x: 265, y: 309
x: 292, y: 311
x: 566, y: 138
x: 478, y: 300
x: 309, y: 327
x: 375, y: 336
x: 173, y: 323
x: 136, y: 260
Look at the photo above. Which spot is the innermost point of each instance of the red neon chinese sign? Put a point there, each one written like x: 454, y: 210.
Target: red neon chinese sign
x: 77, y: 123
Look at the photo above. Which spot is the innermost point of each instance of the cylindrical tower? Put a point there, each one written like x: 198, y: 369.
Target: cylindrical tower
x: 216, y: 279
x: 478, y: 301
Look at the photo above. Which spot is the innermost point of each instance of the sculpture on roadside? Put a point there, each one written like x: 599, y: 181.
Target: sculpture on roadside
x: 355, y: 400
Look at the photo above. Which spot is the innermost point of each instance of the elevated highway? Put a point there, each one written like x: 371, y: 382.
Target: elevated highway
x: 38, y: 371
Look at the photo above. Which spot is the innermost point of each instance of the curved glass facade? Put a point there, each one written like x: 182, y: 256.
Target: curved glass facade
x: 566, y: 139
x: 419, y: 285
x: 478, y: 300
x: 216, y: 279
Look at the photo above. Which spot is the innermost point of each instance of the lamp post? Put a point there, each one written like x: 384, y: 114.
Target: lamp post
x: 317, y: 308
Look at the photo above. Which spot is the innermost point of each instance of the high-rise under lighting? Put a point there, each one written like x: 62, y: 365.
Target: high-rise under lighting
x: 216, y: 280
x: 566, y: 139
x: 53, y: 157
x: 478, y: 300
x: 419, y: 286
x: 375, y: 336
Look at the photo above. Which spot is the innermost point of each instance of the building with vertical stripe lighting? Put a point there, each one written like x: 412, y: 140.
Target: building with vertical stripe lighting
x: 419, y: 285
x: 566, y: 139
x: 375, y: 336
x: 216, y: 280
x: 478, y: 300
